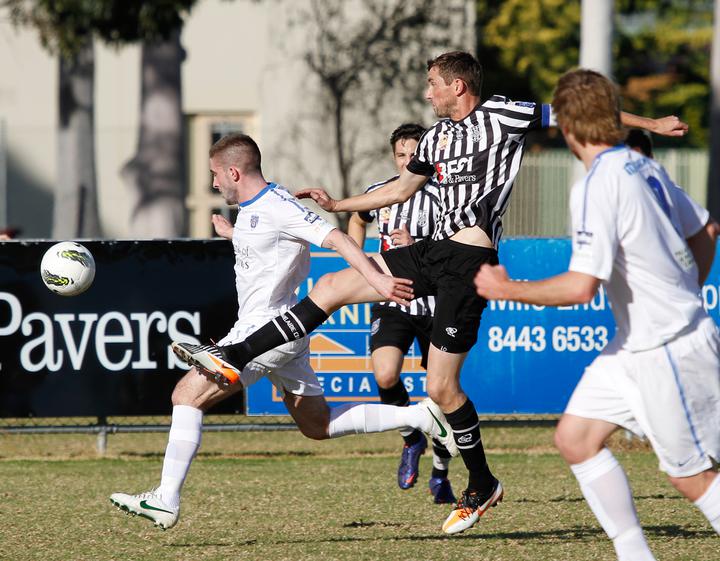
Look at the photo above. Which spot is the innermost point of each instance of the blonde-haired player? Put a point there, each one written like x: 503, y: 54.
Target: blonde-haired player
x: 651, y: 247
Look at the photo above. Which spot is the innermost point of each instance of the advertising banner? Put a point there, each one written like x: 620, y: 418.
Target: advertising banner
x: 527, y: 358
x: 105, y: 352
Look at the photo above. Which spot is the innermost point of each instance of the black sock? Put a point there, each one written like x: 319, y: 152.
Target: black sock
x: 297, y: 322
x: 398, y: 395
x: 439, y: 473
x: 439, y: 450
x: 466, y: 429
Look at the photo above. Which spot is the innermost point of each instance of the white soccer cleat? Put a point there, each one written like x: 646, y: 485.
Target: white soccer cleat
x: 440, y: 428
x: 470, y: 508
x: 209, y: 359
x: 148, y: 505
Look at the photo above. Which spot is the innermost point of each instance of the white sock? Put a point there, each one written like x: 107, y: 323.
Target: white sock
x: 607, y: 491
x: 360, y: 418
x: 709, y: 503
x: 183, y: 443
x: 441, y: 463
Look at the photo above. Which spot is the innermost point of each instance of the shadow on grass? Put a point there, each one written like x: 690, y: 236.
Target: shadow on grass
x: 574, y: 533
x: 234, y: 455
x: 581, y: 499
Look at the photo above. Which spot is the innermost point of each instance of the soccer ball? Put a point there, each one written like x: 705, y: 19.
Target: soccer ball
x: 67, y: 268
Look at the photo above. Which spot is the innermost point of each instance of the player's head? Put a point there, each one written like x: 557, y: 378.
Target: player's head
x: 587, y: 107
x: 403, y: 141
x: 231, y: 158
x: 640, y: 141
x: 450, y: 76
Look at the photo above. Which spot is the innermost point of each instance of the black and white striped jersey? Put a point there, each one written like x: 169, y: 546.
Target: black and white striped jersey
x: 419, y: 214
x: 475, y: 162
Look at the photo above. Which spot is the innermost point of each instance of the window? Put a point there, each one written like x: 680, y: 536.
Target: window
x: 202, y: 200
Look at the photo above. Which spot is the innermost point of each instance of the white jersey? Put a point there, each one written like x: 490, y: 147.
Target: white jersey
x: 630, y: 223
x: 272, y: 236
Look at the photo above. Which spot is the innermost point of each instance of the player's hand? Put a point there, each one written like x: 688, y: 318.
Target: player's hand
x: 490, y: 281
x: 401, y: 236
x: 670, y: 126
x: 394, y: 289
x: 223, y: 227
x: 320, y: 196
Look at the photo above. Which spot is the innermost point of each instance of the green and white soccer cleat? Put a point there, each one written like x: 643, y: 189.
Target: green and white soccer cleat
x: 148, y: 505
x: 440, y: 428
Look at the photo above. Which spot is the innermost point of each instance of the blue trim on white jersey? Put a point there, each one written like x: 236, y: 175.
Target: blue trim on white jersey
x: 684, y: 401
x: 256, y: 197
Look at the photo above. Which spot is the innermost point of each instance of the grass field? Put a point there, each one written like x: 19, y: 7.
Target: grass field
x: 277, y: 496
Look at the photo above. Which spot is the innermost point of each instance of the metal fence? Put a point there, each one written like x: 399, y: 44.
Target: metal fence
x: 539, y: 203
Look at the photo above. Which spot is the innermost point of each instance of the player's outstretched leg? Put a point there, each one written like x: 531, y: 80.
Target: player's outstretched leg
x: 148, y: 505
x: 228, y: 361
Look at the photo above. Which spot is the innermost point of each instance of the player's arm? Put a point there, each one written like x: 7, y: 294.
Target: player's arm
x: 665, y: 126
x: 702, y: 245
x: 391, y: 288
x: 397, y: 191
x: 356, y: 229
x: 493, y: 283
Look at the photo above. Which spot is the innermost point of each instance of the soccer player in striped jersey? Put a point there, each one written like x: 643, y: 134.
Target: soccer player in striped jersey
x: 395, y: 327
x: 651, y: 247
x: 271, y: 238
x: 474, y: 151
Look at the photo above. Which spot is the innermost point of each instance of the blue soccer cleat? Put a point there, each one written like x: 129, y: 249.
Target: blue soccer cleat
x: 409, y: 463
x: 441, y: 490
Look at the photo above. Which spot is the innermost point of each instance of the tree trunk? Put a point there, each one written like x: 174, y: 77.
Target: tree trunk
x: 156, y: 175
x: 342, y: 163
x: 75, y: 213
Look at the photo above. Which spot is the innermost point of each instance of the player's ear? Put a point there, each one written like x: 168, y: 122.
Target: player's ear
x: 460, y: 87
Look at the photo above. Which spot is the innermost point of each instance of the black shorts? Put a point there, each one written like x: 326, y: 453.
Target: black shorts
x: 391, y: 327
x: 446, y: 269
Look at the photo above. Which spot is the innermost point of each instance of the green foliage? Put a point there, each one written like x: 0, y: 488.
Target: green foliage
x: 538, y: 40
x: 65, y: 26
x: 661, y: 54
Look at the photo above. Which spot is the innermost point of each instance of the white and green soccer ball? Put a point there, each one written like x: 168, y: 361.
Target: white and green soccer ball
x: 67, y: 268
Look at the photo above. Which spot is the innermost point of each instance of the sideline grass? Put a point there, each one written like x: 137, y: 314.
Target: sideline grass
x: 280, y: 496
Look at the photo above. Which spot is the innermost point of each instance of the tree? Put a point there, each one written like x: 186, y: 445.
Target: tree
x: 661, y: 53
x: 156, y: 175
x: 65, y: 29
x: 368, y: 61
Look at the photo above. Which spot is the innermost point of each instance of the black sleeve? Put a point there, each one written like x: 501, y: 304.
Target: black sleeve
x: 365, y: 215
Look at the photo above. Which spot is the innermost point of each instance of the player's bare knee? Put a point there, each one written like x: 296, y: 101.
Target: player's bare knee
x: 386, y: 378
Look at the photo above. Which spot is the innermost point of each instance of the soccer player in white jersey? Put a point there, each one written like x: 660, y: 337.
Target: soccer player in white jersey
x: 474, y: 153
x: 651, y: 247
x: 395, y: 327
x: 271, y: 239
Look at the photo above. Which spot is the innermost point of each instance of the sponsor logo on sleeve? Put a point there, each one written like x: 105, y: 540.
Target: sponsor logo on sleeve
x: 311, y: 217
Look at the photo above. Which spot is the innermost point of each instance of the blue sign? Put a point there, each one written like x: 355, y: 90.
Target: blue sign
x: 527, y: 359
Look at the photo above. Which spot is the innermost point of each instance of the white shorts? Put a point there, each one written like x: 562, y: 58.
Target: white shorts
x: 287, y: 366
x: 670, y: 394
